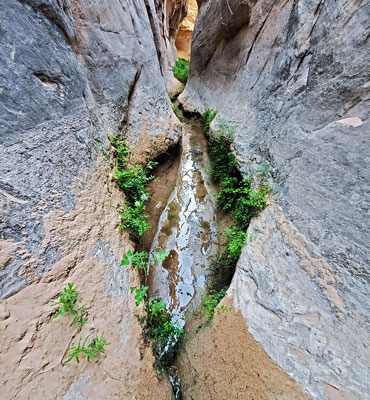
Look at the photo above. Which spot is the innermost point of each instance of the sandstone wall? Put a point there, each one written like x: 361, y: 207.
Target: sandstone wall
x: 292, y: 77
x: 71, y: 71
x: 185, y: 33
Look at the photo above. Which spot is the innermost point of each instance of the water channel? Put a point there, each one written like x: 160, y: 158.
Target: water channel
x: 187, y: 230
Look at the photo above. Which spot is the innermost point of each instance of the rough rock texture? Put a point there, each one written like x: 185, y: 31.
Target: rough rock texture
x: 292, y: 77
x: 165, y: 27
x: 32, y: 347
x: 223, y: 361
x: 81, y: 71
x: 185, y: 33
x: 70, y: 71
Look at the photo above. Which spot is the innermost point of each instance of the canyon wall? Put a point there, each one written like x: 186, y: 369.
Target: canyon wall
x: 71, y: 72
x: 292, y: 78
x: 185, y: 33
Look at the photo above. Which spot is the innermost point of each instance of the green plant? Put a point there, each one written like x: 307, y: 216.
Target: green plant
x: 242, y: 196
x: 237, y: 195
x: 236, y: 238
x: 181, y: 70
x: 79, y: 316
x: 208, y: 116
x: 134, y: 219
x: 211, y: 300
x: 163, y: 330
x: 121, y: 151
x: 68, y: 300
x: 159, y: 256
x: 159, y: 326
x: 140, y: 294
x: 91, y: 351
x: 141, y: 259
x: 133, y: 180
x: 177, y: 112
x: 138, y: 259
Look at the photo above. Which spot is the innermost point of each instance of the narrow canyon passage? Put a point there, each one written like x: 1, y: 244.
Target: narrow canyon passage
x: 187, y: 229
x: 259, y: 218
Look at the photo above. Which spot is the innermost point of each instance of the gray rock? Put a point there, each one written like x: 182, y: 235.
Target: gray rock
x: 68, y: 73
x: 294, y: 82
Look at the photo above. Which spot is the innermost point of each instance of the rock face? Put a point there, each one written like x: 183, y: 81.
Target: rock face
x: 292, y: 78
x: 71, y: 71
x: 223, y: 361
x: 185, y: 33
x: 82, y: 70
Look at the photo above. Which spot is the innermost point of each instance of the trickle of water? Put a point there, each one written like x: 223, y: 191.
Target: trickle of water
x: 186, y: 229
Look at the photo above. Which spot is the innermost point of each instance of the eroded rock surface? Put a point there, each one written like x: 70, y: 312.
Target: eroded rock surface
x: 185, y: 33
x: 224, y: 361
x: 70, y: 72
x: 292, y: 78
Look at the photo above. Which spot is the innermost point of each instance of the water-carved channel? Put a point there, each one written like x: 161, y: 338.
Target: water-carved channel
x: 186, y: 229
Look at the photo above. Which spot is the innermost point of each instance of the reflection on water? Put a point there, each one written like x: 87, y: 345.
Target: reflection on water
x: 186, y: 229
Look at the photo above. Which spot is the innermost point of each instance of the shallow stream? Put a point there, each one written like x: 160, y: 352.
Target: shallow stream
x: 187, y: 230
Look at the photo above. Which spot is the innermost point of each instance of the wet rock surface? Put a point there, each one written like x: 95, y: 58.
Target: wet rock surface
x: 294, y: 82
x: 187, y: 230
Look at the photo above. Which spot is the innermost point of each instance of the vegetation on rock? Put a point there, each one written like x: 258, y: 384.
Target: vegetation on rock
x: 211, y: 300
x: 181, y: 70
x: 241, y: 196
x: 68, y: 300
x: 159, y: 326
x: 133, y: 181
x: 95, y: 347
x: 141, y: 259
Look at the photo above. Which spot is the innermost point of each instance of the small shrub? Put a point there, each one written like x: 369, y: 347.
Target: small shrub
x: 181, y: 70
x: 211, y: 301
x: 236, y: 238
x: 208, y: 116
x: 138, y: 259
x: 159, y: 326
x: 91, y: 351
x: 133, y: 181
x: 141, y: 259
x: 242, y: 196
x: 140, y: 294
x: 68, y: 300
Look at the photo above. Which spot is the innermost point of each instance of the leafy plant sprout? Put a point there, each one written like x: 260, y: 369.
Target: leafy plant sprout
x: 159, y: 325
x: 211, y: 301
x: 141, y: 259
x: 140, y: 294
x: 91, y: 351
x: 68, y: 300
x: 181, y: 70
x: 133, y: 181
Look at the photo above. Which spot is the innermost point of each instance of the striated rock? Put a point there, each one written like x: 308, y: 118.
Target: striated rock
x: 165, y: 28
x: 294, y: 303
x: 81, y: 72
x: 71, y: 72
x: 224, y: 361
x: 90, y: 249
x: 185, y: 33
x: 292, y: 78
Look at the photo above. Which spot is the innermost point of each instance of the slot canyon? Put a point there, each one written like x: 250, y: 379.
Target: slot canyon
x: 185, y: 199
